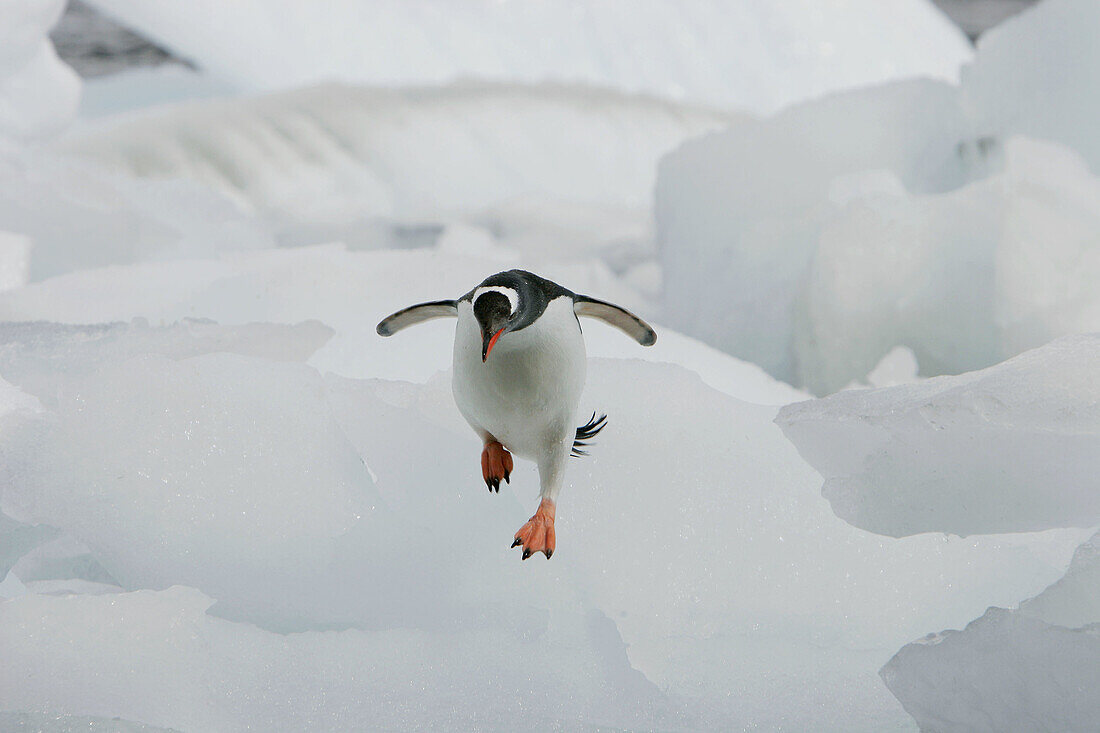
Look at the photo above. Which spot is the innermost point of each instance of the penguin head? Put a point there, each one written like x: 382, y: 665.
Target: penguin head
x: 495, y: 309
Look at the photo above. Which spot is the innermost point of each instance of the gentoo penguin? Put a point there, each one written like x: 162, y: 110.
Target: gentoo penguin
x: 519, y: 367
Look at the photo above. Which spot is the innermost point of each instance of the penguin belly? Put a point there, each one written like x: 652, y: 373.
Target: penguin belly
x: 526, y: 393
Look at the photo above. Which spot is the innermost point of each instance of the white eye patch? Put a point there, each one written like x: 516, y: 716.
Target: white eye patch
x: 509, y: 293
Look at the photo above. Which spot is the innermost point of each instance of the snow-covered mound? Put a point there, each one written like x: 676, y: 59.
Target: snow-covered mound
x: 1011, y: 448
x: 38, y: 92
x: 819, y: 284
x: 815, y: 241
x: 739, y: 213
x: 752, y: 54
x: 296, y: 502
x: 74, y: 215
x: 1033, y: 75
x: 348, y: 291
x: 341, y: 154
x: 1037, y: 668
x: 1004, y: 673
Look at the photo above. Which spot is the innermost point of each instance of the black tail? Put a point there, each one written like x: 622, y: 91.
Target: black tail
x: 587, y: 432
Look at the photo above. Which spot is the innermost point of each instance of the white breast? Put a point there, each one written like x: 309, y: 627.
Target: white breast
x: 525, y: 395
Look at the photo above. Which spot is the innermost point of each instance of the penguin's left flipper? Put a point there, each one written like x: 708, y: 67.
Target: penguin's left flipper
x: 616, y: 316
x: 415, y: 314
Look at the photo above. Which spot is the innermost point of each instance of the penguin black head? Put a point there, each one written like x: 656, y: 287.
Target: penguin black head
x: 510, y: 301
x: 494, y: 312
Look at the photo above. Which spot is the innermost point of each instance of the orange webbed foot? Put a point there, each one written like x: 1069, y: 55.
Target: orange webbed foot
x: 496, y: 464
x: 538, y: 534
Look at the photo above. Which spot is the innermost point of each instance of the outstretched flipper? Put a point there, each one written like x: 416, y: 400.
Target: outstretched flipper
x: 415, y: 314
x: 620, y: 318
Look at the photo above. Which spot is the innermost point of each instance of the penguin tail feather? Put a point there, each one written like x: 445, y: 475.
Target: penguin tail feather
x: 586, y: 432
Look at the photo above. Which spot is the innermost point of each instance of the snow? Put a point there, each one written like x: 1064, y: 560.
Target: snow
x: 38, y: 93
x: 1037, y: 667
x: 757, y: 55
x: 227, y: 504
x: 338, y: 156
x: 277, y: 472
x: 855, y: 224
x: 78, y: 216
x: 740, y: 212
x: 1031, y: 75
x: 1004, y: 672
x: 1022, y: 440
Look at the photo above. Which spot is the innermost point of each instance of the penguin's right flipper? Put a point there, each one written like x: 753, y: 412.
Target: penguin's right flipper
x: 616, y: 316
x: 415, y: 314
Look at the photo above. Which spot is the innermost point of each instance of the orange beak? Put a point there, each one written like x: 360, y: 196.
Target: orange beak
x: 488, y: 345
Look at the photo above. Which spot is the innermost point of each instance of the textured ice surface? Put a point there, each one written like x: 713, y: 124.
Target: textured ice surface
x: 966, y: 278
x: 340, y: 153
x: 77, y: 215
x: 20, y: 722
x: 739, y: 213
x: 817, y: 240
x: 1036, y: 668
x: 1015, y: 447
x: 1032, y: 75
x: 753, y: 54
x: 38, y: 92
x: 343, y: 289
x: 301, y: 503
x: 1004, y: 672
x: 196, y: 672
x: 818, y: 280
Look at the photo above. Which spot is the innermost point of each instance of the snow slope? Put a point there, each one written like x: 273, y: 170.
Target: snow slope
x: 1011, y: 448
x: 757, y: 55
x: 38, y: 92
x: 309, y: 504
x: 339, y: 154
x: 912, y: 214
x: 1034, y: 668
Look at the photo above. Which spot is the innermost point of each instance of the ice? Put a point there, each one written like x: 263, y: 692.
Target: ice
x: 956, y: 221
x: 38, y: 93
x: 1035, y: 668
x: 1004, y: 672
x: 739, y: 213
x: 1074, y: 601
x: 201, y: 673
x: 20, y: 722
x: 966, y: 278
x: 77, y: 215
x: 1015, y: 447
x: 1032, y: 74
x: 338, y: 155
x: 301, y: 503
x: 327, y: 283
x: 758, y: 55
x: 818, y: 284
x: 40, y: 358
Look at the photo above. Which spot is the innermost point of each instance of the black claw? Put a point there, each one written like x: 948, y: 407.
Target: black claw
x: 517, y: 543
x: 549, y: 553
x: 507, y: 477
x: 526, y: 553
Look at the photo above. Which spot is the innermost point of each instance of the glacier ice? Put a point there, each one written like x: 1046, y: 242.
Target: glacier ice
x: 77, y: 215
x: 817, y: 288
x: 1011, y: 448
x: 304, y: 503
x: 1004, y: 672
x: 336, y: 154
x: 739, y: 212
x: 756, y: 54
x: 957, y: 221
x: 38, y: 92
